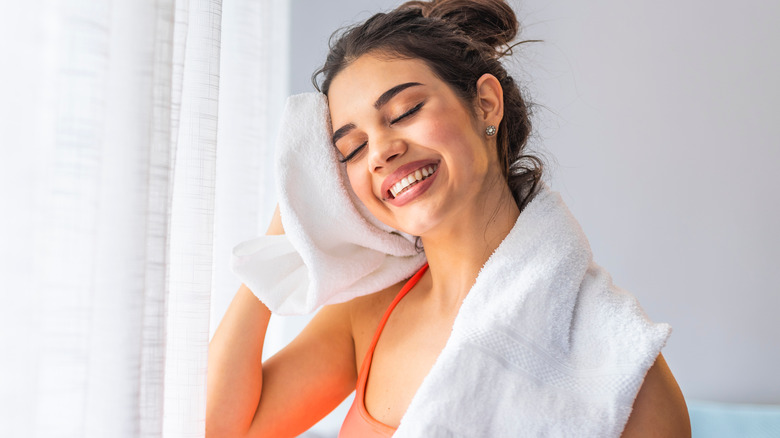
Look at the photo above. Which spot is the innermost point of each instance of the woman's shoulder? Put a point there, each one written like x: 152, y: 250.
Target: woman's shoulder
x: 362, y: 316
x: 368, y: 309
x: 659, y: 408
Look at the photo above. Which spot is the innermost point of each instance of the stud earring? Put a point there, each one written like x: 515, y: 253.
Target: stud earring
x: 490, y: 131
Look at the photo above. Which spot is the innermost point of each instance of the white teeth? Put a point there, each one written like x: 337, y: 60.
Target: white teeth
x: 417, y: 175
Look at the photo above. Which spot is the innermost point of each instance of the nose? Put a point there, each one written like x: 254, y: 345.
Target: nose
x: 385, y: 151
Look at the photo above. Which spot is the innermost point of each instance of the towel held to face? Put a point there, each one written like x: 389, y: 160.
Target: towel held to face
x: 333, y: 249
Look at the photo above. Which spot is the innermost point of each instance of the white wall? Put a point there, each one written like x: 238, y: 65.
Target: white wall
x: 663, y: 119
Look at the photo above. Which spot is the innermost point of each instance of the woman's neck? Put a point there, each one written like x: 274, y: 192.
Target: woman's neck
x: 456, y: 251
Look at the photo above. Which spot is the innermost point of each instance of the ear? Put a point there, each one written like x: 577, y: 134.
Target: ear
x: 490, y: 100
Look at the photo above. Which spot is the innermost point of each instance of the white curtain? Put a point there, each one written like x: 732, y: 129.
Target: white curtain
x: 129, y: 163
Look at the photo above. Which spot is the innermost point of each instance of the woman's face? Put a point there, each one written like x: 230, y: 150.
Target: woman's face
x: 417, y: 158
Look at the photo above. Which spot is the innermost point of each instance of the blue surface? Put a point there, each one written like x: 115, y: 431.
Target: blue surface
x: 725, y: 420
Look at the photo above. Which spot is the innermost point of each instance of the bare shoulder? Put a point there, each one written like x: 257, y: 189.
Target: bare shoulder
x: 366, y: 312
x: 659, y: 408
x: 366, y: 308
x: 380, y: 297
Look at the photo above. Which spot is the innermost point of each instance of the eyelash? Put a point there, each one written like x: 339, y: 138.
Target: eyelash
x: 408, y: 113
x: 413, y: 110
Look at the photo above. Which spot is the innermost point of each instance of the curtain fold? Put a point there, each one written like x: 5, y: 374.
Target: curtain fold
x: 192, y: 220
x: 108, y: 179
x: 158, y: 209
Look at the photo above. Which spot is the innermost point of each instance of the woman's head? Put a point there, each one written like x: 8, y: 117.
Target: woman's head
x: 459, y: 42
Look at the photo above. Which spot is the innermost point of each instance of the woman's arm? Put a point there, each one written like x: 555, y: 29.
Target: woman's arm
x: 659, y: 409
x: 235, y: 366
x: 293, y: 389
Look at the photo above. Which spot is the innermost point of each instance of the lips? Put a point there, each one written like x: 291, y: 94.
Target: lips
x: 407, y: 177
x: 412, y: 179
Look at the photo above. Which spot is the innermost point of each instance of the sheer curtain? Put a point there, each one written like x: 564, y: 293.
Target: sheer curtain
x: 120, y: 190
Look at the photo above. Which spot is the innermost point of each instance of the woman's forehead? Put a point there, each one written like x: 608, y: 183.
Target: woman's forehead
x: 365, y: 80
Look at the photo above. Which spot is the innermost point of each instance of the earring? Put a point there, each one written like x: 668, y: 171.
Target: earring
x: 490, y: 131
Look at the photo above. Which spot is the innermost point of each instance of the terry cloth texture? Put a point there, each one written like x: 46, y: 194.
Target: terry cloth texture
x: 544, y: 344
x: 333, y: 249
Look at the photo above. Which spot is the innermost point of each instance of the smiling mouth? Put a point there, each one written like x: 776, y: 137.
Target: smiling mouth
x: 411, y: 179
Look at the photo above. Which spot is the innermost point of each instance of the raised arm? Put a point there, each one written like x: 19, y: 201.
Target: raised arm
x: 293, y: 389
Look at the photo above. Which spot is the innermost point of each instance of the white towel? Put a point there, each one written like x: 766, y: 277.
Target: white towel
x: 333, y: 249
x: 544, y: 345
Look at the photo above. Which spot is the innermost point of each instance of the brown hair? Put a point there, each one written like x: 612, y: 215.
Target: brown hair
x: 459, y: 40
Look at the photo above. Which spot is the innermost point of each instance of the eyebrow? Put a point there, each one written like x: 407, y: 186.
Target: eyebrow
x: 383, y: 99
x: 389, y: 94
x: 341, y: 132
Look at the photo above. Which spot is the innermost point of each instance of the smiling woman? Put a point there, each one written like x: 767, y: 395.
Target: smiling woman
x: 513, y: 329
x: 418, y: 124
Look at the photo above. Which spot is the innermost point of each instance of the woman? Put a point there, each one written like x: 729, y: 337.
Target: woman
x: 431, y: 130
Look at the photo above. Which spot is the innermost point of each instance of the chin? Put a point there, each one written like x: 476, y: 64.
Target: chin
x: 417, y: 227
x: 414, y: 219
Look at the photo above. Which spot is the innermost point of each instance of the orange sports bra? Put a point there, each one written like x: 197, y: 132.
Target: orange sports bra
x: 359, y: 423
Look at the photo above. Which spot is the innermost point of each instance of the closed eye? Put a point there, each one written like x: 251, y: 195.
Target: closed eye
x: 353, y: 153
x: 408, y: 113
x: 357, y: 150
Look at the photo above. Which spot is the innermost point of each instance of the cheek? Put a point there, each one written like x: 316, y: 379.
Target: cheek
x: 460, y: 145
x: 361, y: 184
x: 360, y: 181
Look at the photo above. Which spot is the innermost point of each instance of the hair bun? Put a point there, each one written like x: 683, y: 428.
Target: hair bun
x: 488, y: 21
